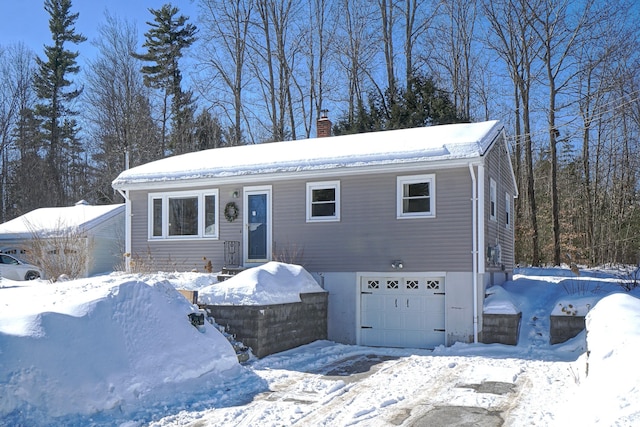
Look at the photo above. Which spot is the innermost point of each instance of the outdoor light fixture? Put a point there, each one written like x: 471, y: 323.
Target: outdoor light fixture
x: 397, y: 264
x: 235, y: 194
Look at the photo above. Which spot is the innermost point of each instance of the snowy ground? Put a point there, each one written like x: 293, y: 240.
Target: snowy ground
x: 119, y: 350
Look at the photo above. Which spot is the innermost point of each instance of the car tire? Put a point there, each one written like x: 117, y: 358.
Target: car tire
x: 32, y: 275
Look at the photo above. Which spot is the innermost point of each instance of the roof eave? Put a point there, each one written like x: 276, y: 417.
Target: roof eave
x: 241, y: 178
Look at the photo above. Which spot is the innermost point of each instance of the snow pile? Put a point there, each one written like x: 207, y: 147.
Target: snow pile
x: 498, y: 301
x: 609, y: 394
x: 107, y: 343
x: 119, y: 350
x: 272, y: 283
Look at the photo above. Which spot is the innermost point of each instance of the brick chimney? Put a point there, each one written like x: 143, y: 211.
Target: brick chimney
x: 323, y: 125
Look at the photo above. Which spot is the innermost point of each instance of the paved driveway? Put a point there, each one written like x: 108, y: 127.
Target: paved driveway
x: 385, y: 387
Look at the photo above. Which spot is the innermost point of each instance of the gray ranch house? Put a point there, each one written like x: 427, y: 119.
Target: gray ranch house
x: 405, y: 229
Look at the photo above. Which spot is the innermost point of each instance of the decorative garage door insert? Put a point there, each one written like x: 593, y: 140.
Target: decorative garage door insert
x: 402, y: 311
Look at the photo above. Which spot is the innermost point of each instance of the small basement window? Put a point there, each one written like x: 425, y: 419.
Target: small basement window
x: 323, y: 201
x: 416, y: 196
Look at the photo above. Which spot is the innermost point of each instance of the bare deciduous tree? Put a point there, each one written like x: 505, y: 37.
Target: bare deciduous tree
x: 454, y: 52
x: 355, y: 50
x: 16, y: 95
x: 318, y: 45
x: 273, y: 62
x: 120, y: 112
x: 560, y: 25
x: 513, y: 39
x: 225, y: 31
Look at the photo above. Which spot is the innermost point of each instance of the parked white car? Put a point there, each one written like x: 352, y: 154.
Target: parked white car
x: 14, y: 269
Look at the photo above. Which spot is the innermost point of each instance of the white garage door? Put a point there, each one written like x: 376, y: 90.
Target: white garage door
x: 402, y: 311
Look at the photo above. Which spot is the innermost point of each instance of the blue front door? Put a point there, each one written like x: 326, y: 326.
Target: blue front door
x: 257, y: 225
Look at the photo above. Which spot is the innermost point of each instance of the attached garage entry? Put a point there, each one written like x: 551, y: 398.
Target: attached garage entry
x: 407, y: 311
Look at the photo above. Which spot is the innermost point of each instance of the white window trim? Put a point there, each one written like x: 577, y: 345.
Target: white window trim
x: 413, y: 179
x: 508, y: 210
x: 321, y: 186
x: 493, y: 200
x: 201, y: 214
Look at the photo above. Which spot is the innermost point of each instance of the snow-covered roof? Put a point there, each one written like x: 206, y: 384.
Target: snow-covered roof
x: 49, y: 221
x: 394, y: 147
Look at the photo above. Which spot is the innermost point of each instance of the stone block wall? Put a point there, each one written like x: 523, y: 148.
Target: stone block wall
x: 563, y: 328
x: 500, y: 328
x: 269, y: 329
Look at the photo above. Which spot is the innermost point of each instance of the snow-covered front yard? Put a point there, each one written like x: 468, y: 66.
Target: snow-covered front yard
x: 119, y: 350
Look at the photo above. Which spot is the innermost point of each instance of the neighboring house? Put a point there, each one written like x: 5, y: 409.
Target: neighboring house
x: 404, y: 228
x: 99, y: 229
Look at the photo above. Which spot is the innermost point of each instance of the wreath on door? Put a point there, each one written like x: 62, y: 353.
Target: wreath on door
x: 231, y: 211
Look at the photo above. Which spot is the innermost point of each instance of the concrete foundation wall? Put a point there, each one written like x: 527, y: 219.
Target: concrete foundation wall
x: 563, y: 328
x: 342, y: 302
x: 459, y: 307
x: 500, y: 328
x: 269, y: 329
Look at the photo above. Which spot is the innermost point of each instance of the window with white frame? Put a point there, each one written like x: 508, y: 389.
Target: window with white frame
x: 323, y: 201
x: 493, y: 201
x: 183, y: 215
x: 416, y: 196
x: 507, y: 210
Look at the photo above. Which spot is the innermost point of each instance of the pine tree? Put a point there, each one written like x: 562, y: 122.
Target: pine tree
x: 24, y: 191
x: 55, y: 93
x: 166, y: 40
x: 421, y: 104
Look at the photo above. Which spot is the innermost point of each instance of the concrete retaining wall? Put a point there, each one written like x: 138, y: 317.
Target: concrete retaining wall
x: 269, y: 329
x: 563, y: 328
x: 500, y: 328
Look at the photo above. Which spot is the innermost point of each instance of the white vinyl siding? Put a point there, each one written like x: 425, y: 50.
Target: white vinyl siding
x: 183, y: 215
x: 323, y: 201
x: 416, y: 196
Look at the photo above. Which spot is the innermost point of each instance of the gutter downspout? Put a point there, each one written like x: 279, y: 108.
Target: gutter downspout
x: 474, y: 250
x: 127, y: 230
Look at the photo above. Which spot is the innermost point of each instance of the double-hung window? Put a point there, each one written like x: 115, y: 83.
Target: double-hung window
x: 416, y: 196
x: 323, y: 201
x: 183, y: 215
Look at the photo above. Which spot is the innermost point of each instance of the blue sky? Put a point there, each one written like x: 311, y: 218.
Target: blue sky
x: 27, y: 21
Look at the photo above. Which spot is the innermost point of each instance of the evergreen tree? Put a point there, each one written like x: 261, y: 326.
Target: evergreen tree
x: 55, y: 93
x: 208, y: 132
x: 25, y: 191
x: 166, y: 40
x: 421, y: 104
